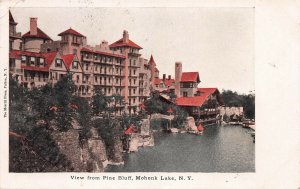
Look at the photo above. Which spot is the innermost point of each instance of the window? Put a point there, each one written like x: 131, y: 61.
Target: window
x: 133, y: 91
x: 32, y: 60
x: 86, y: 67
x: 185, y: 94
x: 23, y: 59
x: 134, y: 81
x: 134, y: 72
x: 96, y: 79
x: 74, y: 51
x: 75, y: 65
x: 41, y: 62
x: 77, y: 78
x: 134, y: 62
x: 58, y: 63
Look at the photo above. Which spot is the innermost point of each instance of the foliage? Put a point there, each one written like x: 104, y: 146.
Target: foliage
x: 31, y: 147
x: 100, y: 102
x: 63, y: 92
x: 233, y: 99
x: 155, y: 105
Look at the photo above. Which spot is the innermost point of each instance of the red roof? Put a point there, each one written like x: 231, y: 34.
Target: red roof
x: 169, y: 82
x: 49, y: 57
x: 196, y: 100
x: 207, y: 91
x: 129, y: 130
x: 120, y: 43
x: 40, y: 34
x: 68, y: 59
x: 102, y: 53
x: 170, y: 110
x: 190, y: 77
x: 18, y: 53
x: 72, y: 32
x: 200, y: 127
x: 157, y: 81
x: 151, y: 61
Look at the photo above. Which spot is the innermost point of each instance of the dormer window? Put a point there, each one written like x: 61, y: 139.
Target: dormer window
x: 58, y: 63
x: 75, y: 65
x: 41, y: 61
x: 32, y: 60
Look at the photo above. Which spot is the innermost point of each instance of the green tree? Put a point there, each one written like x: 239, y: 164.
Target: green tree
x: 63, y: 92
x: 100, y: 102
x: 117, y: 99
x: 233, y: 99
x: 41, y: 101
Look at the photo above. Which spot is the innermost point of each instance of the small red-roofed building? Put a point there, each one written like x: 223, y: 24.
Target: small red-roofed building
x: 204, y: 107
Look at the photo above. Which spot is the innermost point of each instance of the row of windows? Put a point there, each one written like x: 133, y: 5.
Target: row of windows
x: 132, y: 80
x: 188, y: 85
x: 33, y: 61
x: 104, y: 59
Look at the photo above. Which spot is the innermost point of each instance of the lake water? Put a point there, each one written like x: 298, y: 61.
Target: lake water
x: 219, y: 149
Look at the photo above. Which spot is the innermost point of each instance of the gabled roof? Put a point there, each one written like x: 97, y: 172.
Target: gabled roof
x: 190, y: 77
x: 40, y: 34
x: 49, y: 57
x: 72, y: 32
x: 11, y: 18
x: 84, y: 49
x: 196, y: 101
x: 120, y: 43
x: 151, y: 61
x: 68, y: 59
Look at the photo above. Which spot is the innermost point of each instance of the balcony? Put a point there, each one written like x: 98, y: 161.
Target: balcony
x: 135, y: 54
x: 35, y: 79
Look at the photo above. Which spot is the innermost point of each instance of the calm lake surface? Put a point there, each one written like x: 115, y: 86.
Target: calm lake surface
x: 219, y: 149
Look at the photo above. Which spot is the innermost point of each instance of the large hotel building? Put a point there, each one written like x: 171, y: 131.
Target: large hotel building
x: 117, y: 68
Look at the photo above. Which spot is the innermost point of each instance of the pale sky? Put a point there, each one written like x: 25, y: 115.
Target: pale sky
x: 216, y: 42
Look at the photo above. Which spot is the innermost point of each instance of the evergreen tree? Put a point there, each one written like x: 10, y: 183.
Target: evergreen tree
x: 63, y: 92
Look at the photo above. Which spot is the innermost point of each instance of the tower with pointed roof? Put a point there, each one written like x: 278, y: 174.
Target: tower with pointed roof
x: 71, y: 42
x: 131, y: 70
x: 15, y: 38
x: 35, y: 37
x: 154, y: 70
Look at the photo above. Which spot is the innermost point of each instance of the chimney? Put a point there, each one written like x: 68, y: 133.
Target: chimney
x: 33, y: 26
x: 169, y: 77
x: 125, y: 36
x: 164, y: 77
x: 178, y: 73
